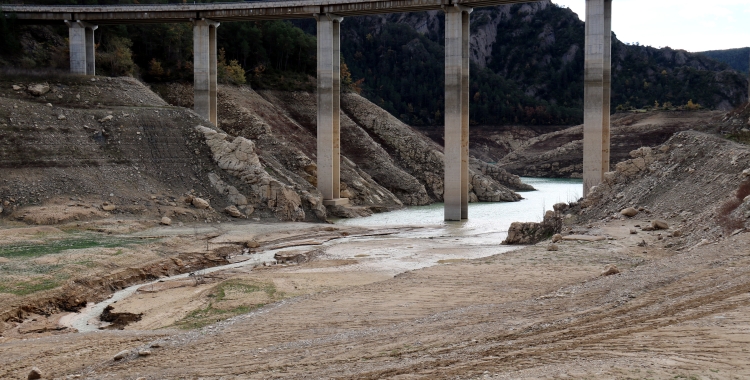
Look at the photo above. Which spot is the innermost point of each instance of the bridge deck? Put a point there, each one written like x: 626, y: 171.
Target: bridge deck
x: 241, y: 11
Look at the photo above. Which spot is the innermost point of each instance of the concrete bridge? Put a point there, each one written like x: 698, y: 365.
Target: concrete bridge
x: 83, y: 20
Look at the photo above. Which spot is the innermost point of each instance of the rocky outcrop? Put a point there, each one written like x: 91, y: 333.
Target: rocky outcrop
x: 237, y: 156
x: 693, y: 184
x: 417, y: 155
x: 533, y: 232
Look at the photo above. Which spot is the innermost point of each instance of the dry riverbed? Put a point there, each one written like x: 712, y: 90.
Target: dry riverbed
x: 419, y: 303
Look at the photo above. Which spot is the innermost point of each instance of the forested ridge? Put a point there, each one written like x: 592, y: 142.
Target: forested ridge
x: 527, y: 62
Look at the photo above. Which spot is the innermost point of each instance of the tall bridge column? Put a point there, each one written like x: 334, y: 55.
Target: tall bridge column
x: 456, y: 193
x: 82, y: 54
x: 329, y: 109
x: 204, y: 69
x: 597, y: 87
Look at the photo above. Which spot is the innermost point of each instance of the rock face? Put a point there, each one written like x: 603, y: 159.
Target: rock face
x: 237, y: 156
x: 532, y: 232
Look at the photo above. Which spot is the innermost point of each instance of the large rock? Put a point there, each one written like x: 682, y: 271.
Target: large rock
x: 629, y: 212
x: 532, y: 232
x: 234, y: 212
x: 35, y: 374
x: 200, y: 203
x: 38, y: 89
x: 238, y: 157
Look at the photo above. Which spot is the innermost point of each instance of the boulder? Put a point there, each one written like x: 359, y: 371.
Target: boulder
x: 252, y: 244
x: 610, y: 270
x: 659, y: 224
x: 144, y: 352
x: 166, y: 221
x: 200, y: 203
x: 106, y: 206
x: 233, y: 212
x: 633, y: 231
x: 556, y: 238
x: 532, y: 232
x: 553, y: 247
x: 106, y: 119
x: 34, y: 374
x: 38, y: 89
x: 629, y: 212
x: 17, y: 87
x: 61, y: 117
x: 676, y: 233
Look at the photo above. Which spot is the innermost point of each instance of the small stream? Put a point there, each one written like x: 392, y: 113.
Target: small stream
x: 487, y: 226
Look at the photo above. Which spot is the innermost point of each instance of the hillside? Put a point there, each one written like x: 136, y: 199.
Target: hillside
x: 737, y: 59
x: 527, y: 68
x: 73, y: 145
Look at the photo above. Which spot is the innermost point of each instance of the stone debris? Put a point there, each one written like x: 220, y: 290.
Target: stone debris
x: 38, y: 89
x: 234, y: 212
x: 34, y: 374
x: 610, y: 270
x: 106, y: 119
x: 200, y: 203
x: 122, y: 355
x: 290, y: 257
x: 629, y: 212
x: 659, y: 225
x: 166, y: 221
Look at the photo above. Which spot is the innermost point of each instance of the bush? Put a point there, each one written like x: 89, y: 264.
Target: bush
x: 229, y: 73
x: 117, y: 58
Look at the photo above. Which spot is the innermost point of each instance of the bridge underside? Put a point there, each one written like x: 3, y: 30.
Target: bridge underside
x: 83, y: 20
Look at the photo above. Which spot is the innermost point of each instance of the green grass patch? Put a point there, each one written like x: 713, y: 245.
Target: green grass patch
x: 204, y: 317
x: 27, y: 287
x: 214, y: 312
x: 56, y: 246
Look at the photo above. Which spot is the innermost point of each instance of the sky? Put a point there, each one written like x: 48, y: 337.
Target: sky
x: 680, y: 24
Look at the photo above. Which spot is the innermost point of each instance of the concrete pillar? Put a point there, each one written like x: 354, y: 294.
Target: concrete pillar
x: 204, y: 69
x: 456, y: 195
x: 597, y: 84
x: 82, y: 47
x: 329, y: 108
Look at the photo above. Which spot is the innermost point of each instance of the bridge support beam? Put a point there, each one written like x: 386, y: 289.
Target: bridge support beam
x: 82, y: 47
x: 329, y: 109
x: 204, y: 69
x: 456, y: 193
x: 597, y: 88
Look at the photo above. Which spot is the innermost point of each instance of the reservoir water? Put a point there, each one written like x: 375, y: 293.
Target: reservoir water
x: 486, y: 220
